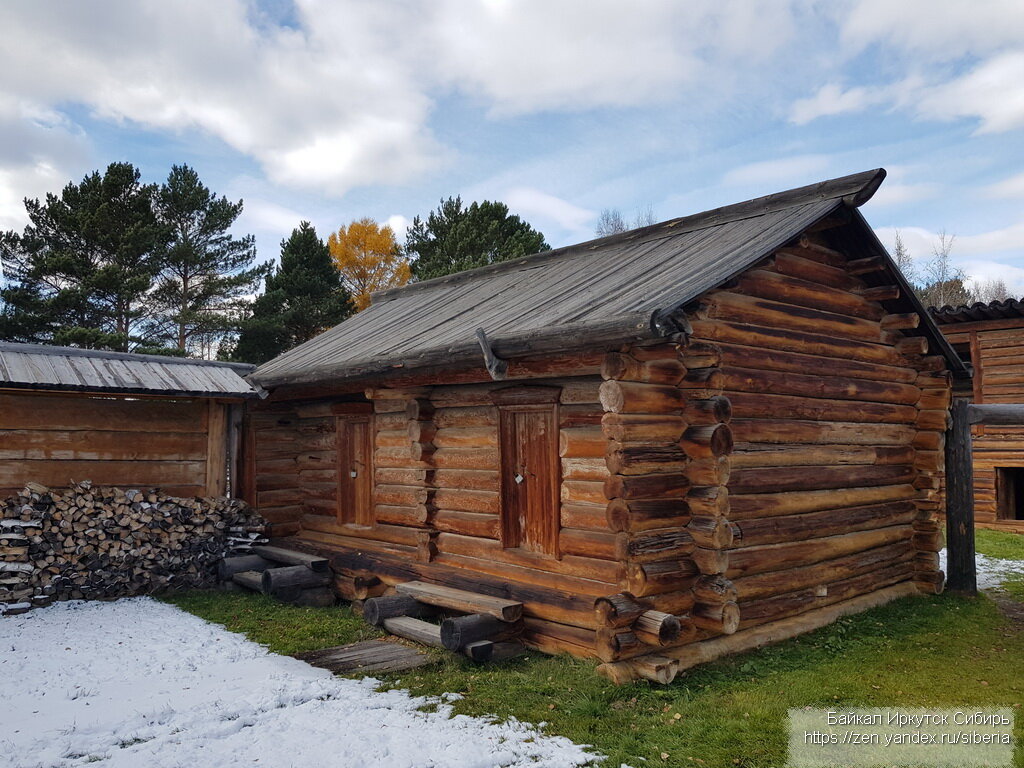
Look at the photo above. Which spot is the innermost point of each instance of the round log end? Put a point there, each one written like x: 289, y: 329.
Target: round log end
x: 721, y: 407
x: 451, y: 636
x: 371, y: 613
x: 730, y: 618
x: 614, y: 366
x: 612, y: 397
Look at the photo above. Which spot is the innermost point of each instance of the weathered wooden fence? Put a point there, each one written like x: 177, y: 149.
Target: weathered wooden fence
x: 961, y: 570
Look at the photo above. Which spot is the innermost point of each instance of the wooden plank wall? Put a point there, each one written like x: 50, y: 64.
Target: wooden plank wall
x: 997, y: 353
x: 294, y: 463
x: 176, y: 445
x: 838, y: 422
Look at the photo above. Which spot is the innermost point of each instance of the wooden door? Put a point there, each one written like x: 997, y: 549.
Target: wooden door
x: 355, y: 469
x: 530, y: 476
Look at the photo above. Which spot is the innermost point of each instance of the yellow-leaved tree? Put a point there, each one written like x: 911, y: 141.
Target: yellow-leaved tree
x: 368, y: 258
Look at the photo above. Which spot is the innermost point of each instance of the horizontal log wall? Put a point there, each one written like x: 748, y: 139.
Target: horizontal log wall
x: 997, y: 354
x: 294, y: 464
x: 437, y: 506
x: 179, y: 446
x: 838, y: 428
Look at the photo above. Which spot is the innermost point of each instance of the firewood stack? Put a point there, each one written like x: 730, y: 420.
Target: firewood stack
x: 88, y: 542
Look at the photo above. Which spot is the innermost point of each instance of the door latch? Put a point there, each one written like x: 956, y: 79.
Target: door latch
x: 519, y: 478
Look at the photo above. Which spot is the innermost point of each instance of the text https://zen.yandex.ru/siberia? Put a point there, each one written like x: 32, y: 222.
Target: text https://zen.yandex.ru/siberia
x: 968, y: 737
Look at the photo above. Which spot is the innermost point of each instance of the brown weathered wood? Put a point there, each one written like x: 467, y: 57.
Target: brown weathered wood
x: 416, y: 630
x: 460, y: 600
x: 961, y: 569
x: 459, y: 631
x: 376, y: 610
x: 292, y: 557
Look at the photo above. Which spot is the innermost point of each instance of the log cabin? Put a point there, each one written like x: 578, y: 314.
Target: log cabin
x: 118, y: 419
x: 668, y: 444
x: 991, y: 337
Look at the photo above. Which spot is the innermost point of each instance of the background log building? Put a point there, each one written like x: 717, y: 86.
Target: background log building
x: 991, y: 337
x: 134, y: 421
x: 735, y: 418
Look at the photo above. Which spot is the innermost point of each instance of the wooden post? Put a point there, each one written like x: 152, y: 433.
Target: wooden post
x: 216, y: 450
x: 235, y: 413
x: 961, y: 572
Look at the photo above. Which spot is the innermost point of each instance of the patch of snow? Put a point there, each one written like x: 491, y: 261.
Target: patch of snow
x: 992, y: 571
x: 138, y: 682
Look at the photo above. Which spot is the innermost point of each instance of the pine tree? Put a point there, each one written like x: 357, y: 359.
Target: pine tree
x: 80, y: 271
x: 303, y: 298
x: 454, y: 238
x: 205, y: 272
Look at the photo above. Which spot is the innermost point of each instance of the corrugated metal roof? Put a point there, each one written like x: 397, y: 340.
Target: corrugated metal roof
x: 617, y: 288
x: 37, y: 366
x: 970, y: 313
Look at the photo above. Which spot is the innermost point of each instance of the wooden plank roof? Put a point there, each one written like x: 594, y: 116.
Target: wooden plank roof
x: 972, y: 313
x: 615, y: 289
x: 41, y: 367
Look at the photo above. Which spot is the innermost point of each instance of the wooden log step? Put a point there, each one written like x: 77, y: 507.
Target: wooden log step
x: 416, y: 630
x: 461, y: 600
x: 286, y: 583
x: 460, y: 631
x: 249, y: 579
x: 488, y: 651
x: 378, y: 609
x: 291, y: 557
x: 367, y: 657
x: 229, y: 566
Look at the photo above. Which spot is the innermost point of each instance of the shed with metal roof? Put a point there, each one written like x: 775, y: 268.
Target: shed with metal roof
x: 69, y: 414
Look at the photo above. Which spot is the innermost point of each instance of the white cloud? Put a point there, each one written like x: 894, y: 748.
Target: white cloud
x: 343, y: 97
x: 542, y: 209
x: 993, y: 93
x: 398, y: 224
x: 831, y: 100
x: 780, y: 173
x: 1009, y: 187
x: 938, y: 29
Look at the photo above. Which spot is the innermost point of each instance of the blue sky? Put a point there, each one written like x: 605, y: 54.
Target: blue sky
x: 331, y: 111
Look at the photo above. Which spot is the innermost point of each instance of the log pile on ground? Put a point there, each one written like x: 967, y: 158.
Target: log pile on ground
x: 89, y: 542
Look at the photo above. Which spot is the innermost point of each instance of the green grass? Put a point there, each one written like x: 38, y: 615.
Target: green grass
x: 935, y: 651
x: 282, y: 628
x: 1006, y: 546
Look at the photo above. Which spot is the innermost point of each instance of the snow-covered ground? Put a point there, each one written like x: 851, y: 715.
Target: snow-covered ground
x: 140, y: 683
x: 992, y: 571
